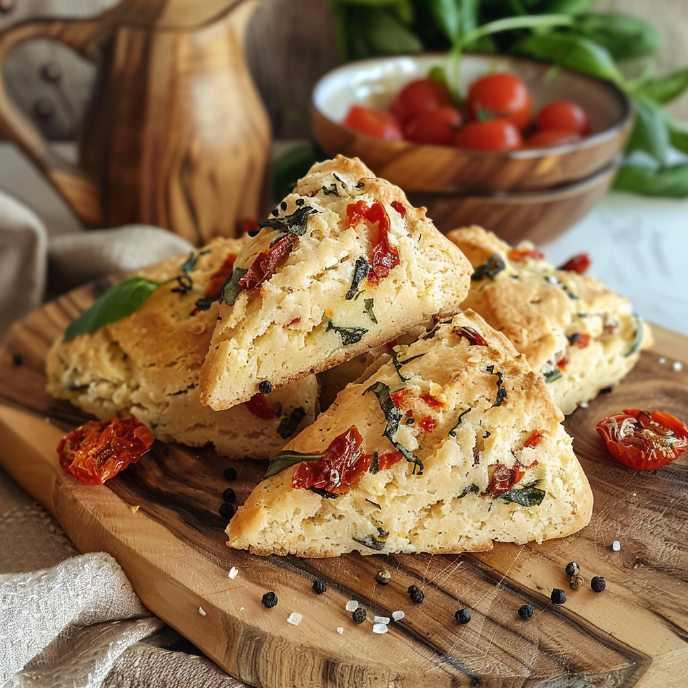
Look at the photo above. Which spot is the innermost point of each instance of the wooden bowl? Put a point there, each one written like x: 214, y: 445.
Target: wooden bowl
x: 425, y: 168
x: 538, y: 216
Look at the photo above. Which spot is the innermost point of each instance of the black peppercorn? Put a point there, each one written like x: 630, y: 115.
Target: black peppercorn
x: 319, y: 586
x: 383, y: 577
x: 269, y: 600
x: 17, y: 360
x: 598, y: 584
x: 607, y: 390
x: 558, y: 596
x: 572, y: 569
x: 463, y: 616
x: 525, y: 612
x: 265, y: 387
x: 359, y: 615
x: 229, y: 474
x: 229, y: 495
x: 576, y: 582
x: 416, y: 594
x: 227, y: 510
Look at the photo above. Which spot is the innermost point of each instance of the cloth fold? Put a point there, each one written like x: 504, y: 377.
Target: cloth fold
x: 71, y: 620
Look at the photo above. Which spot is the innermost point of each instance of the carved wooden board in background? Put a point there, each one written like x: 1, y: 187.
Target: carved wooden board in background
x: 173, y: 551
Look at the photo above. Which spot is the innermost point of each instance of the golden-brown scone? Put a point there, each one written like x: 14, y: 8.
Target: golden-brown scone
x: 496, y: 465
x: 579, y: 334
x: 148, y: 364
x: 300, y: 320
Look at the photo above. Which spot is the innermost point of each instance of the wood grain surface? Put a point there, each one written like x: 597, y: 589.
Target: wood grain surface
x: 172, y: 549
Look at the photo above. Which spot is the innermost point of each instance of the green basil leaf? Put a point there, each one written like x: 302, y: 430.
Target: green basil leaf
x: 361, y: 270
x: 288, y: 424
x: 495, y: 264
x: 471, y: 489
x: 231, y: 288
x: 296, y: 223
x: 348, y: 335
x: 392, y: 414
x: 447, y: 16
x: 374, y: 542
x: 369, y: 303
x: 525, y: 496
x: 452, y: 432
x: 670, y: 182
x: 572, y: 7
x: 666, y: 88
x: 116, y: 303
x: 552, y: 375
x: 650, y: 131
x: 574, y: 52
x: 386, y: 35
x: 286, y: 459
x: 678, y: 137
x: 289, y: 168
x: 625, y: 37
x: 398, y: 365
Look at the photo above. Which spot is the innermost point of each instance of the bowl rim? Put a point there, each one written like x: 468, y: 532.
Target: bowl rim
x: 521, y: 154
x: 543, y: 196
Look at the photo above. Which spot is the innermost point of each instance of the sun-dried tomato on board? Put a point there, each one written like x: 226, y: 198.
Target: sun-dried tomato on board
x: 216, y: 282
x: 579, y: 263
x: 265, y: 264
x: 99, y: 450
x: 341, y: 463
x: 644, y: 439
x: 385, y: 257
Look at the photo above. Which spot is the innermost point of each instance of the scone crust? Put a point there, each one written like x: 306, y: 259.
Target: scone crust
x: 541, y: 309
x: 424, y: 513
x: 280, y: 332
x: 148, y: 365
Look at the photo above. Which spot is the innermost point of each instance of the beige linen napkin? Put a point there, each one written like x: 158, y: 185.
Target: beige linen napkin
x: 70, y: 620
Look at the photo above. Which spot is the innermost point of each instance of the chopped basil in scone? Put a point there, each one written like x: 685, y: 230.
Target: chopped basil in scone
x: 148, y: 364
x: 344, y: 266
x: 579, y: 334
x: 466, y: 450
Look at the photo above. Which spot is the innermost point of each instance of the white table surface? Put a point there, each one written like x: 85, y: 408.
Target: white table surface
x: 638, y: 245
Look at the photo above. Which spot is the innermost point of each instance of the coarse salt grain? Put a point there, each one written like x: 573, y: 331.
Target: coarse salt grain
x: 379, y: 628
x: 584, y: 404
x: 662, y: 361
x: 616, y: 546
x: 331, y: 262
x: 381, y: 620
x: 398, y: 616
x: 201, y: 611
x: 233, y: 572
x: 241, y: 609
x: 294, y: 618
x: 340, y: 630
x: 351, y: 606
x: 677, y: 366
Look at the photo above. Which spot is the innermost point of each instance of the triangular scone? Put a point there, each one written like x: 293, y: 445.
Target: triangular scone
x: 345, y: 264
x: 456, y: 446
x: 579, y: 334
x: 148, y: 364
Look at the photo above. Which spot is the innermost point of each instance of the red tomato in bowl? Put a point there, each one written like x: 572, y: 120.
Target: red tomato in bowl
x: 436, y: 127
x: 494, y: 135
x: 563, y: 115
x: 420, y: 97
x: 500, y: 96
x: 551, y: 137
x: 644, y: 439
x: 372, y: 122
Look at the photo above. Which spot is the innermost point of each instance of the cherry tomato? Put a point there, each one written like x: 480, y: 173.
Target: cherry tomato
x: 644, y: 439
x: 495, y: 135
x: 372, y: 122
x: 500, y: 96
x: 562, y: 115
x: 436, y: 127
x: 551, y: 137
x: 579, y: 263
x: 99, y: 450
x: 420, y: 97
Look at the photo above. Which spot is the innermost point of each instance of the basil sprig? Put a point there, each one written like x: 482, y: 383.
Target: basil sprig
x: 525, y: 496
x: 285, y: 459
x: 348, y: 335
x: 116, y: 303
x: 231, y: 288
x: 295, y: 223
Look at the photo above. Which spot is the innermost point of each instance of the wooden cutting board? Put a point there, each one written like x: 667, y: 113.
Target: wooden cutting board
x: 172, y: 549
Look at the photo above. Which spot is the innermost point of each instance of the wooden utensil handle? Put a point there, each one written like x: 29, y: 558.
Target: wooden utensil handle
x: 70, y: 181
